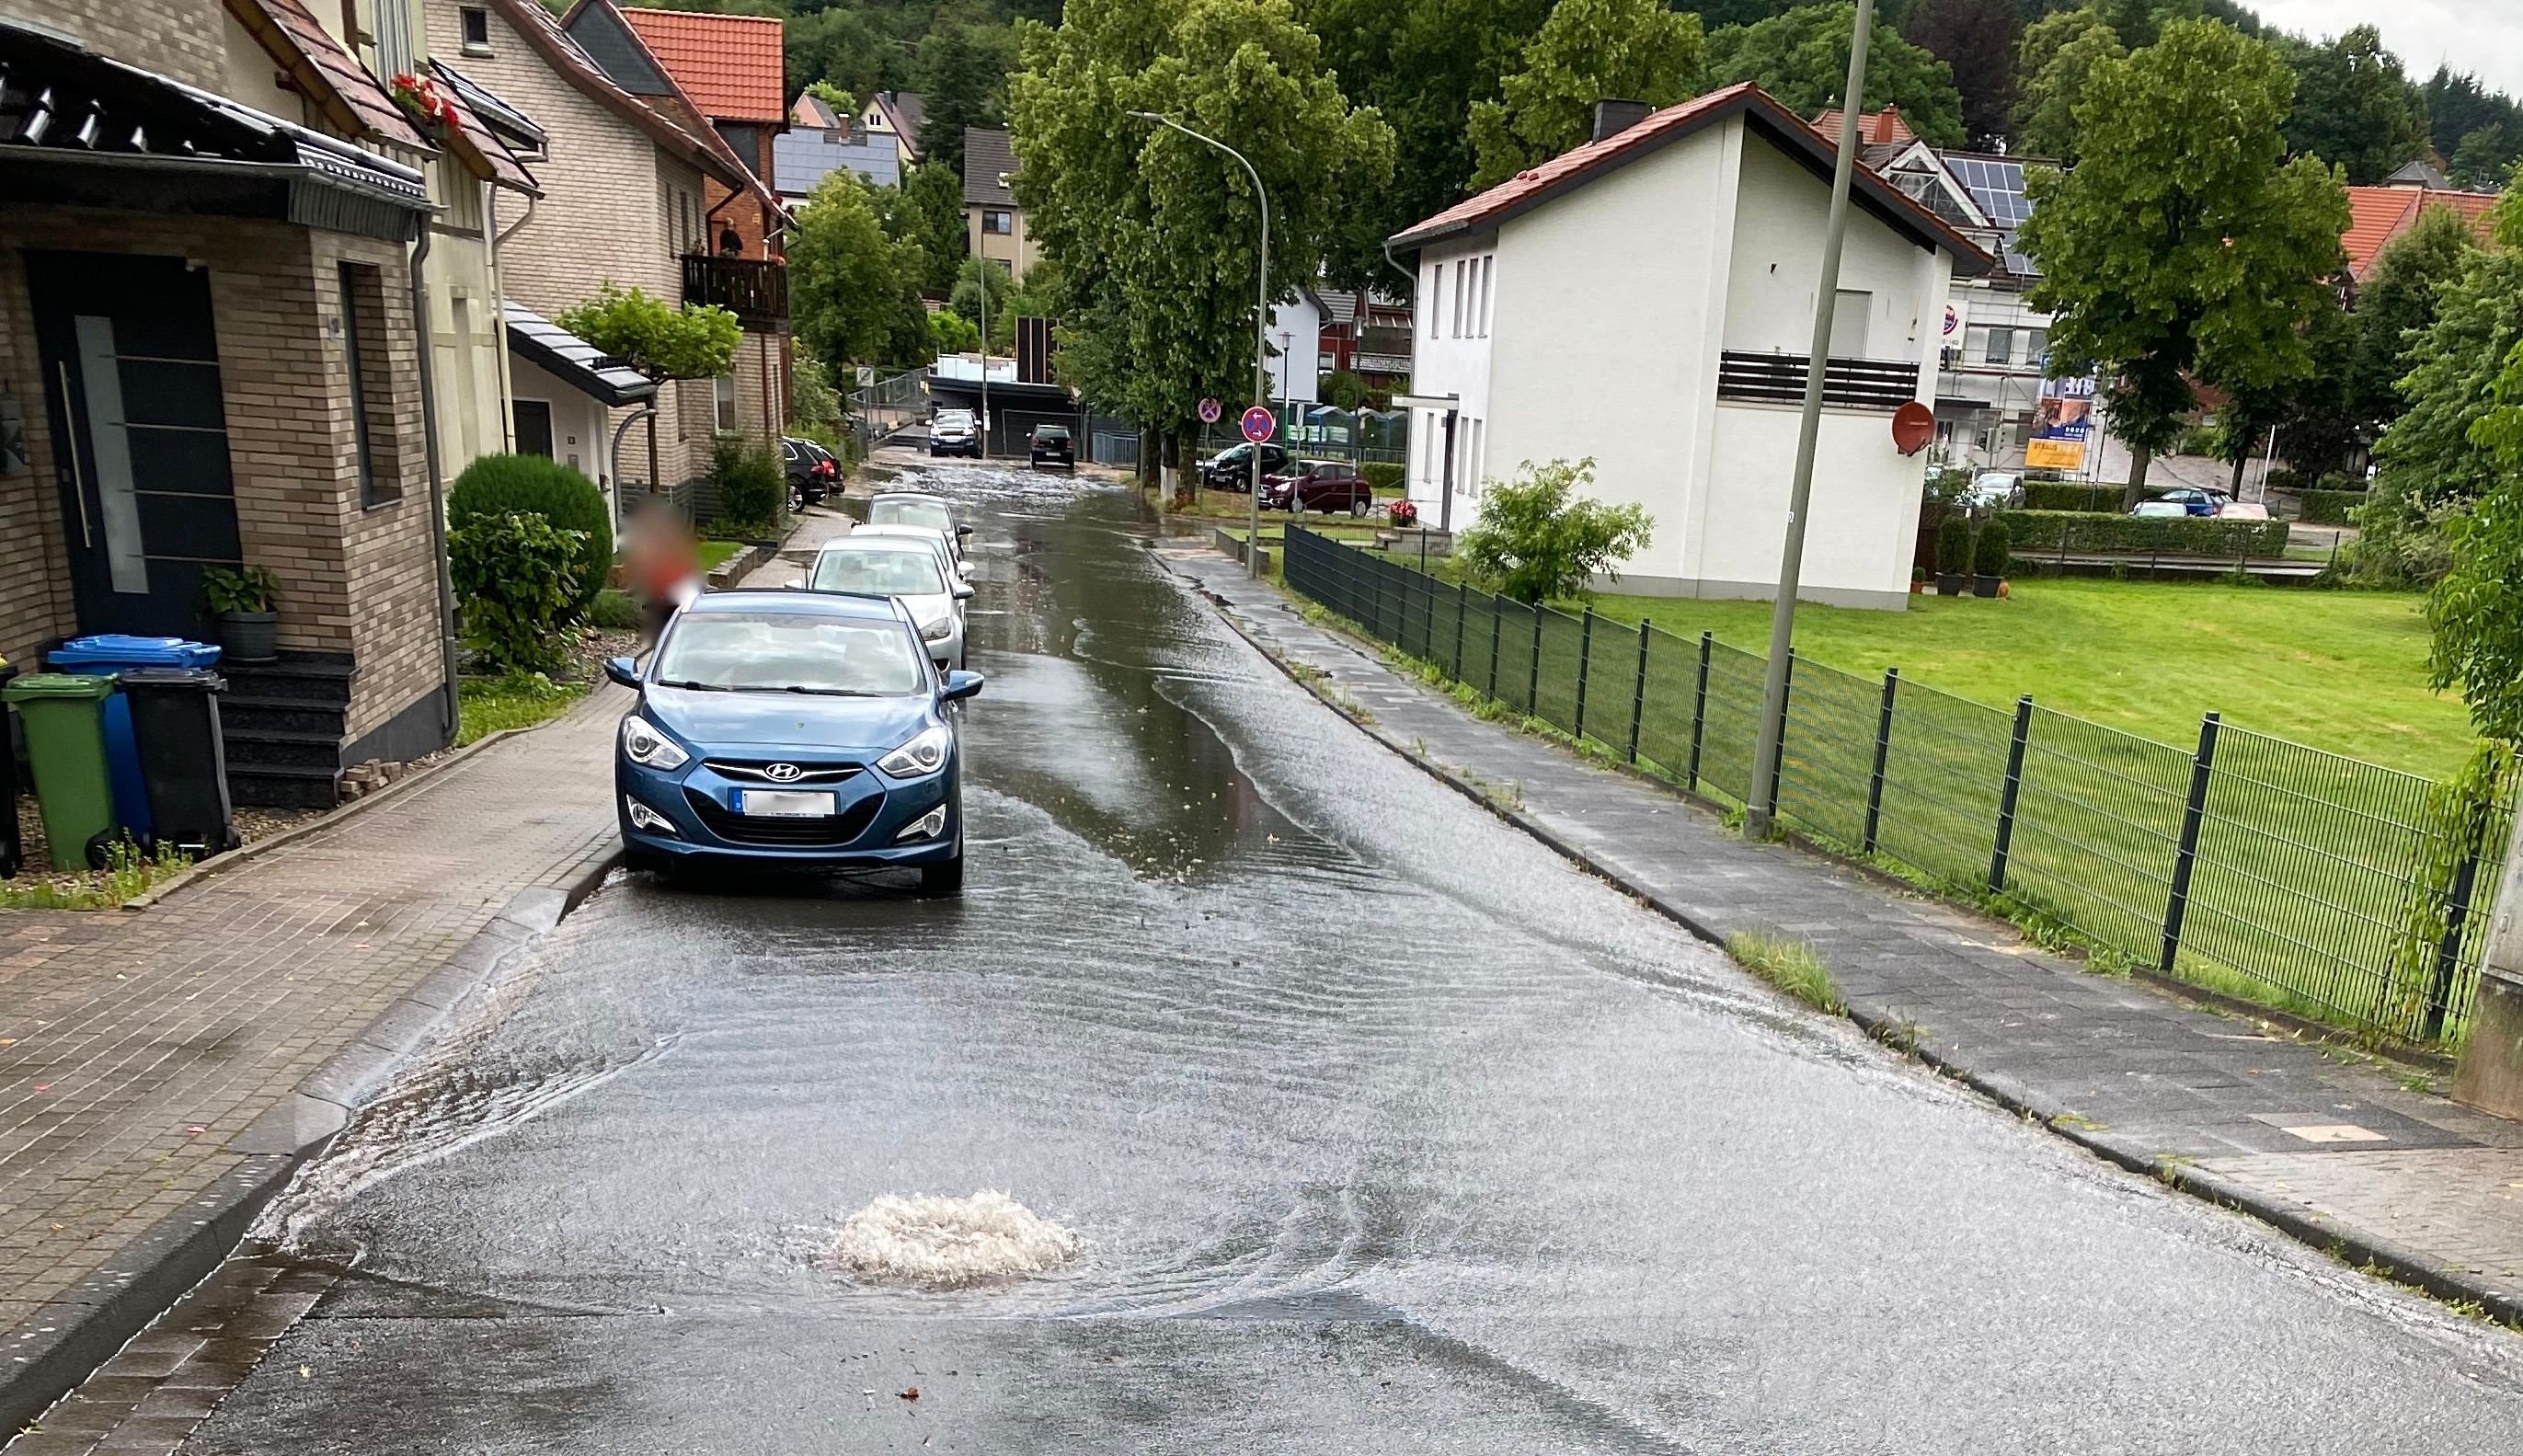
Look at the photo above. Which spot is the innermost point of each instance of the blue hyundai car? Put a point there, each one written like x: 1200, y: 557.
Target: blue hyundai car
x: 797, y: 730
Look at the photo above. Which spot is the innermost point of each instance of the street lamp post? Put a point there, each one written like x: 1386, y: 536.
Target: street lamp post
x: 1760, y: 804
x: 1260, y: 328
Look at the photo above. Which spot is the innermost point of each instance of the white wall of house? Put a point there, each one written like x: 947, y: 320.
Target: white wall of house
x: 1608, y: 308
x: 580, y: 438
x: 1295, y: 338
x: 1457, y: 328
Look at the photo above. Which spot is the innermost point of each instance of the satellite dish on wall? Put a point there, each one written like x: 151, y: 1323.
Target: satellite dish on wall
x: 1913, y: 425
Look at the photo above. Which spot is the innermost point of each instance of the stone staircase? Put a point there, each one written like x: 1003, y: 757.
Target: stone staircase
x: 285, y: 723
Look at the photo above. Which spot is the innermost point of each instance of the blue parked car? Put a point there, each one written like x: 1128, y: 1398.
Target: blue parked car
x: 796, y: 730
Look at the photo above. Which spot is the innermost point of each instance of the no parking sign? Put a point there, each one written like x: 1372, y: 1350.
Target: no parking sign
x: 1259, y: 424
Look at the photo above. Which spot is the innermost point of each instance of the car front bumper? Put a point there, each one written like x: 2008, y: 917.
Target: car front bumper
x: 864, y: 834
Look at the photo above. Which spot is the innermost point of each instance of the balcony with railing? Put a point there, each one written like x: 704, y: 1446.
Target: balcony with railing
x: 754, y: 289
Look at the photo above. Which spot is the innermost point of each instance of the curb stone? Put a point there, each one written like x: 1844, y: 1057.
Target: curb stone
x: 2391, y: 1261
x: 100, y: 1314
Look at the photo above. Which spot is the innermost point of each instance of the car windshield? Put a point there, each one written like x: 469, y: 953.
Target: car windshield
x: 1052, y: 434
x: 889, y: 572
x: 788, y: 652
x: 900, y: 510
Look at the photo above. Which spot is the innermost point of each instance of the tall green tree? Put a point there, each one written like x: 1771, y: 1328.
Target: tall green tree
x: 1588, y: 51
x: 927, y: 211
x: 2183, y: 244
x: 1422, y: 65
x: 1153, y: 234
x: 2483, y: 157
x: 846, y: 48
x: 853, y: 292
x: 2352, y: 105
x: 2053, y: 63
x: 1977, y: 39
x: 1801, y: 57
x: 962, y: 68
x: 2458, y: 104
x: 2141, y: 23
x: 2396, y: 306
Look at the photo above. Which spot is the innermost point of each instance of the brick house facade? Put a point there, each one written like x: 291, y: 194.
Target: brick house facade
x: 127, y: 291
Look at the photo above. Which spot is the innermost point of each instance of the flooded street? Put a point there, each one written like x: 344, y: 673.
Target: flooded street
x: 1377, y: 1128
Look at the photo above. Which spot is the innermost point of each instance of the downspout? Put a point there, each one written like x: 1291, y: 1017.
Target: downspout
x: 437, y: 485
x: 499, y: 314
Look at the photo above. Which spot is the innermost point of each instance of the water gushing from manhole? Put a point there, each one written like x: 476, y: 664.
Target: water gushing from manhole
x: 943, y: 1242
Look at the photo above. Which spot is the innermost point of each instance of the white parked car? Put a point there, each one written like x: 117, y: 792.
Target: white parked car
x: 906, y: 571
x: 937, y: 542
x: 1996, y: 490
x: 919, y: 508
x: 2160, y: 509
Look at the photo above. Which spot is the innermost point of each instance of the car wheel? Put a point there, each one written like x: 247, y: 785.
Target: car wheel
x: 943, y: 880
x: 1358, y: 508
x: 796, y: 500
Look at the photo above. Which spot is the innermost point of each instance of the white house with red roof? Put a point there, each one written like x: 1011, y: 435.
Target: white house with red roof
x: 1647, y: 301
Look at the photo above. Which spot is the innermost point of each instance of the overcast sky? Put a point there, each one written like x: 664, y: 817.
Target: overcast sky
x: 2483, y: 37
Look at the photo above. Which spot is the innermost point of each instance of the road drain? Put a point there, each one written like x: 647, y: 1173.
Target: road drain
x: 942, y: 1244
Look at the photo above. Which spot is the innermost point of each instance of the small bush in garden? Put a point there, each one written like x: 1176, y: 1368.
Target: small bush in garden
x: 1989, y: 551
x: 1954, y: 545
x: 614, y: 611
x: 536, y: 484
x: 750, y: 485
x: 1537, y: 540
x: 1380, y: 477
x: 516, y: 573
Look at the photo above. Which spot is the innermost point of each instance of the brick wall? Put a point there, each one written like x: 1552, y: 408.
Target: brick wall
x: 34, y: 582
x: 353, y: 579
x: 179, y: 39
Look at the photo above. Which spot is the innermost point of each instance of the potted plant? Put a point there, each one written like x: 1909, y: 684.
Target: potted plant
x: 1988, y: 557
x: 1953, y: 553
x: 1404, y: 514
x: 241, y: 598
x: 1918, y: 580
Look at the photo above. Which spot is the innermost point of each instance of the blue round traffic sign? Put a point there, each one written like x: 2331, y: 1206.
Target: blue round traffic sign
x: 1259, y: 424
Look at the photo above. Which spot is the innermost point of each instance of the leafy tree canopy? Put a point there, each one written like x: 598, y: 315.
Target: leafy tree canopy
x: 927, y: 211
x: 2053, y: 61
x: 2458, y: 104
x: 661, y: 340
x: 1801, y: 57
x: 1153, y: 234
x: 853, y: 292
x: 1588, y: 51
x: 2352, y: 106
x: 2182, y: 245
x: 1977, y: 39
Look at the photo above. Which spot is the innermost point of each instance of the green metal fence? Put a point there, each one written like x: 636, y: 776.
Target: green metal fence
x: 2240, y: 858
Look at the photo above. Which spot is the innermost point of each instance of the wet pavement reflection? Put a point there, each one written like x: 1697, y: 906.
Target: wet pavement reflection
x: 1381, y: 1130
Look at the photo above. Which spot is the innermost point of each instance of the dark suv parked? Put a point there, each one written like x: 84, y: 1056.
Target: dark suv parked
x: 1052, y: 446
x: 1325, y: 485
x: 1231, y: 469
x: 813, y: 473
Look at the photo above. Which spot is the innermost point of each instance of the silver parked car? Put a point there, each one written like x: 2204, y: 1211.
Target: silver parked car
x: 909, y: 572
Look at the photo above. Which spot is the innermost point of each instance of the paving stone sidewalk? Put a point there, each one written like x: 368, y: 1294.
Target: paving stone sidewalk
x: 2346, y: 1153
x: 144, y: 1054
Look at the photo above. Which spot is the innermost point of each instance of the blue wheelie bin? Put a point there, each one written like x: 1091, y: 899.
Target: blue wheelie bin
x: 106, y: 655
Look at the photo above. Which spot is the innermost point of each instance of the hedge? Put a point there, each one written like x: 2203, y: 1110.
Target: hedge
x: 2035, y: 532
x: 2330, y: 507
x: 2071, y: 496
x: 1380, y: 475
x: 536, y: 484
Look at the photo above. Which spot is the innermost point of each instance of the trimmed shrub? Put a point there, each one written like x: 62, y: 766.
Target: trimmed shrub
x: 516, y: 573
x: 2330, y: 507
x: 2071, y: 496
x: 506, y: 485
x: 751, y: 485
x: 1380, y: 477
x: 1988, y: 551
x: 1953, y: 544
x: 614, y: 611
x: 2031, y: 532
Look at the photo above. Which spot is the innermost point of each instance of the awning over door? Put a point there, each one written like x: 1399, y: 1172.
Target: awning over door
x: 573, y: 360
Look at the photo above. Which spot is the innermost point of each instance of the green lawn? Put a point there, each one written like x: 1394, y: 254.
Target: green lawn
x: 715, y: 553
x: 2343, y: 670
x: 491, y: 705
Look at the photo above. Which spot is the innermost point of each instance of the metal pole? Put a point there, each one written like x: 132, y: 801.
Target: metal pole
x: 1778, y: 760
x: 1783, y: 615
x: 982, y: 276
x: 1699, y: 710
x: 2007, y: 795
x: 1445, y: 487
x: 1260, y: 323
x: 1585, y: 658
x: 1533, y: 669
x: 2448, y: 949
x: 1638, y: 694
x: 1882, y: 750
x: 2194, y: 810
x: 1497, y: 619
x: 1462, y: 606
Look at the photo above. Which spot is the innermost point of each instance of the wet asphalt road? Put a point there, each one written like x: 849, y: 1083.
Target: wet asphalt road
x: 1382, y: 1130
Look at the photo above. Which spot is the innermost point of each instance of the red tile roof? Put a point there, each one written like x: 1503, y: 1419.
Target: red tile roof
x: 1571, y: 169
x: 332, y: 77
x: 483, y: 153
x: 543, y: 31
x: 731, y: 65
x: 1874, y: 128
x: 2378, y: 214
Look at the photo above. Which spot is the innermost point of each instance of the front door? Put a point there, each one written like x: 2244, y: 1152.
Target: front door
x: 140, y: 444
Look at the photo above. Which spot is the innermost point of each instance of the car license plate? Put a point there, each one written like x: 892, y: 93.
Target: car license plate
x: 779, y: 802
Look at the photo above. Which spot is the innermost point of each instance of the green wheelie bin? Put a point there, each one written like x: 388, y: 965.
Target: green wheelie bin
x: 62, y: 715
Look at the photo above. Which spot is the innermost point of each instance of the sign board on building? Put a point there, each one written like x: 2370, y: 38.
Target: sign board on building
x: 2061, y: 424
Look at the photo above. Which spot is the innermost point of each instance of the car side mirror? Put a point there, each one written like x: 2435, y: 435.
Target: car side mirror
x: 959, y: 686
x: 963, y: 530
x: 963, y: 591
x: 622, y: 670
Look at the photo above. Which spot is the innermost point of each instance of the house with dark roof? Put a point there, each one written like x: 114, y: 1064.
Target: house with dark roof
x: 820, y: 141
x: 895, y: 118
x: 993, y: 224
x: 1647, y: 301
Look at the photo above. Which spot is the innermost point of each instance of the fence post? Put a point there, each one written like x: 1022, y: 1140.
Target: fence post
x: 1496, y: 622
x: 1786, y: 700
x: 1883, y: 747
x: 2194, y: 810
x: 1533, y: 667
x: 1698, y: 711
x: 2007, y: 795
x: 1639, y: 697
x: 1462, y: 604
x: 1585, y: 659
x: 2448, y: 949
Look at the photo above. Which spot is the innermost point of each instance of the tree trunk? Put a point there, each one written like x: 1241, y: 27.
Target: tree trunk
x: 1186, y: 455
x: 2139, y: 459
x: 1150, y: 463
x: 2236, y: 489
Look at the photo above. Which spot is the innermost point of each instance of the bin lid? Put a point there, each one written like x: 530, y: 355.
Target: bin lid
x: 115, y: 649
x: 197, y: 678
x: 57, y: 685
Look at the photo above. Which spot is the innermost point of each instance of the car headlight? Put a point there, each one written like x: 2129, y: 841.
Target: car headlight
x: 939, y: 630
x: 926, y: 753
x: 644, y: 745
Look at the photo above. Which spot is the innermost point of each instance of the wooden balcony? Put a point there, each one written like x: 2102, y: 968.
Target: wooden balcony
x: 754, y: 289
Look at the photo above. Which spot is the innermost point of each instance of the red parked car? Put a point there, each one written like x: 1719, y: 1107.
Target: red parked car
x: 1325, y: 485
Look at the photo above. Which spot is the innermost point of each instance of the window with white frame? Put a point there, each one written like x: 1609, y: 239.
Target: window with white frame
x: 476, y: 22
x: 725, y: 390
x: 1462, y: 267
x: 1488, y: 271
x: 1436, y: 296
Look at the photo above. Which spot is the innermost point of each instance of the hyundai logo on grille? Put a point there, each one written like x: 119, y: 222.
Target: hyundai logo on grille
x: 781, y: 772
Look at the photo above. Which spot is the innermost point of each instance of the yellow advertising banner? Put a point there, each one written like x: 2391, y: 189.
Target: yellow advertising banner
x: 2053, y: 454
